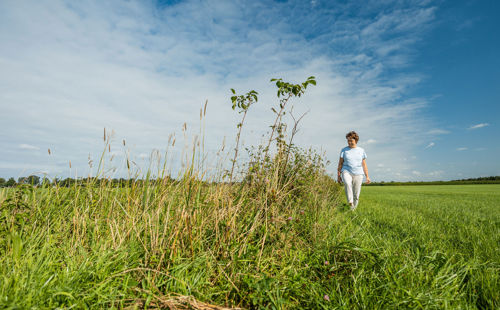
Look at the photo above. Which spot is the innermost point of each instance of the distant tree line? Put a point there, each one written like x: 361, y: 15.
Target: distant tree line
x: 35, y: 180
x: 481, y: 180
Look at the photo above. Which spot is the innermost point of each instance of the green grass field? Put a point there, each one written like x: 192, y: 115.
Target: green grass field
x: 427, y: 247
x: 440, y: 245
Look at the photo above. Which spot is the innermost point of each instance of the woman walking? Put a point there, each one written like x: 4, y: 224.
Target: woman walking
x: 352, y: 166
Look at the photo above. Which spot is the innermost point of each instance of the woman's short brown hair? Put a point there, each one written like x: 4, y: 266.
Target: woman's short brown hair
x: 352, y: 135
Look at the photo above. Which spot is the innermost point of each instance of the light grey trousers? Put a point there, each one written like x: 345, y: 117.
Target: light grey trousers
x: 352, y: 186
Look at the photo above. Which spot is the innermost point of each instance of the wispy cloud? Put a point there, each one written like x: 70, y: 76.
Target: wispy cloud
x: 430, y: 145
x: 436, y: 173
x: 481, y: 125
x: 438, y: 132
x: 144, y: 70
x: 28, y: 147
x: 462, y: 149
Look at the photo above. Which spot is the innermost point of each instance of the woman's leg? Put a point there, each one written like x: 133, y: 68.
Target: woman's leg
x: 347, y: 178
x: 357, y: 180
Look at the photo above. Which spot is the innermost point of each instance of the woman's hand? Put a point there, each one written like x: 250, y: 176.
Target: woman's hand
x: 365, y: 170
x: 339, y: 169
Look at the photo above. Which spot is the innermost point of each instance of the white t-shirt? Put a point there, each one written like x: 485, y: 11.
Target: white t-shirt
x: 353, y: 159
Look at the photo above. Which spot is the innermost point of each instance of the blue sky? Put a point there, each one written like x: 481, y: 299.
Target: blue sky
x: 418, y: 80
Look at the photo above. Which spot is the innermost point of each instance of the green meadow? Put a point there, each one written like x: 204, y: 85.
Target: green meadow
x: 189, y: 244
x: 440, y: 244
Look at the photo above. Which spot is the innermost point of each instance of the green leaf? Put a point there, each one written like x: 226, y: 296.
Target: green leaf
x: 232, y: 89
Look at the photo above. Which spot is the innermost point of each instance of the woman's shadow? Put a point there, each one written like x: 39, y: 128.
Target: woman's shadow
x: 343, y: 207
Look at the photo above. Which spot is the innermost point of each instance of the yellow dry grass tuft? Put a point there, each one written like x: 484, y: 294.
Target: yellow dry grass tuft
x: 176, y: 303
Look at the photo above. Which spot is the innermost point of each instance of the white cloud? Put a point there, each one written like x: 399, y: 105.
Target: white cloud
x: 438, y: 132
x: 436, y: 173
x: 28, y: 147
x: 144, y: 71
x: 481, y: 125
x: 462, y: 148
x: 430, y: 145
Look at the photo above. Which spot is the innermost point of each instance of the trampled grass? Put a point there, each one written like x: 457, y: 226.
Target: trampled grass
x: 404, y: 247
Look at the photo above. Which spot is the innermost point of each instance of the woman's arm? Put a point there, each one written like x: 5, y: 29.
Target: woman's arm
x: 365, y: 169
x: 339, y: 169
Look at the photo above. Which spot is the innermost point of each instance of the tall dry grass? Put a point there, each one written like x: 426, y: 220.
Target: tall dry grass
x: 95, y: 244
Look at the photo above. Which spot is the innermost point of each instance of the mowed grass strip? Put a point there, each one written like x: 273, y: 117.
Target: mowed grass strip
x: 439, y: 244
x: 456, y: 219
